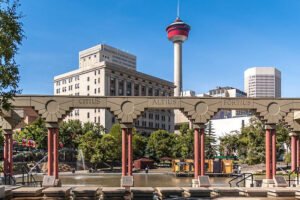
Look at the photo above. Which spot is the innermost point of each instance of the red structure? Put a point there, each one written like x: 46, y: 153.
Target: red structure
x: 294, y: 152
x: 196, y: 153
x: 142, y: 163
x: 270, y: 140
x: 8, y: 153
x: 127, y: 152
x: 53, y: 152
x: 178, y: 30
x: 199, y: 151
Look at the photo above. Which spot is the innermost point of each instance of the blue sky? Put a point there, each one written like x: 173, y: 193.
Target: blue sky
x: 227, y: 37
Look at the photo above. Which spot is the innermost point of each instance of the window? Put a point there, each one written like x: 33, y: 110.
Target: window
x: 156, y: 116
x: 64, y: 81
x: 88, y: 88
x: 70, y: 79
x: 99, y: 90
x: 98, y: 80
x: 57, y: 83
x: 95, y: 81
x: 150, y: 116
x: 99, y: 71
x: 95, y: 73
x: 95, y: 91
x: 88, y: 115
x: 88, y: 79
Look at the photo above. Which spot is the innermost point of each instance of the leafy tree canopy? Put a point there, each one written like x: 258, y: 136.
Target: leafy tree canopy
x: 11, y: 35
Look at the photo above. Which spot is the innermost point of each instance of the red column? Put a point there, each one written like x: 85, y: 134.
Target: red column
x: 293, y: 151
x: 5, y: 155
x: 202, y: 152
x: 196, y: 153
x: 129, y: 152
x: 124, y: 162
x: 273, y: 152
x: 10, y: 154
x: 50, y: 151
x: 55, y: 152
x: 268, y: 154
x: 298, y: 152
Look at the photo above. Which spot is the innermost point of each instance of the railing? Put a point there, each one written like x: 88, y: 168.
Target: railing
x: 28, y: 178
x: 9, y: 180
x: 244, y: 177
x: 235, y: 178
x: 297, y: 171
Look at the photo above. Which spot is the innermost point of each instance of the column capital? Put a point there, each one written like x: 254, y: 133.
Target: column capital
x: 52, y: 124
x: 293, y: 134
x: 270, y: 126
x: 7, y: 132
x: 198, y: 126
x: 126, y: 125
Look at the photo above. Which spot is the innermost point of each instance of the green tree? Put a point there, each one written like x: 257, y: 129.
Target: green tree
x: 109, y: 148
x: 11, y: 35
x: 36, y: 131
x: 160, y: 144
x: 90, y: 144
x: 283, y: 140
x: 210, y: 142
x: 184, y: 143
x: 116, y: 132
x: 70, y: 132
x: 139, y: 144
x: 229, y: 144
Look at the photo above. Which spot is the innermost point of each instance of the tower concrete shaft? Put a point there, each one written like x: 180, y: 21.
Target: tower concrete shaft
x: 177, y: 68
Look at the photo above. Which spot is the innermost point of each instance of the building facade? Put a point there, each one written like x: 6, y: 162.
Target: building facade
x: 228, y: 92
x: 106, y: 71
x: 262, y: 82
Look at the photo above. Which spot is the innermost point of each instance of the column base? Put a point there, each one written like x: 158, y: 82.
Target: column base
x: 195, y: 183
x: 127, y: 181
x: 268, y: 183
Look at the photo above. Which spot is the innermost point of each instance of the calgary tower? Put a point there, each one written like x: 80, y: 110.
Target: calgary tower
x: 178, y: 32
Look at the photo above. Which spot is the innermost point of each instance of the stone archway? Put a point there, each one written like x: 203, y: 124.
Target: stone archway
x: 127, y: 109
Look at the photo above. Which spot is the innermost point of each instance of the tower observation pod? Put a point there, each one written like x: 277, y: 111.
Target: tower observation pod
x: 178, y: 32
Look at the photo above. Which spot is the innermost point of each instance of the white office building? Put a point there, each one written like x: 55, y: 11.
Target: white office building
x: 107, y: 71
x: 262, y: 82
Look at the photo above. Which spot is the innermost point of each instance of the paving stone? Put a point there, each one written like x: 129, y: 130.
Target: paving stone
x: 140, y: 193
x: 27, y: 192
x: 57, y: 192
x: 282, y: 192
x: 86, y: 192
x: 113, y: 193
x: 196, y: 192
x: 226, y: 192
x: 166, y: 192
x: 254, y: 192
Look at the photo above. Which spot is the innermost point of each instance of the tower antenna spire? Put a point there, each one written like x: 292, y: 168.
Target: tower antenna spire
x: 178, y: 8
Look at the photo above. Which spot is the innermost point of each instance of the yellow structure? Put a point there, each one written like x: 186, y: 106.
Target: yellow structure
x: 227, y: 166
x: 187, y: 166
